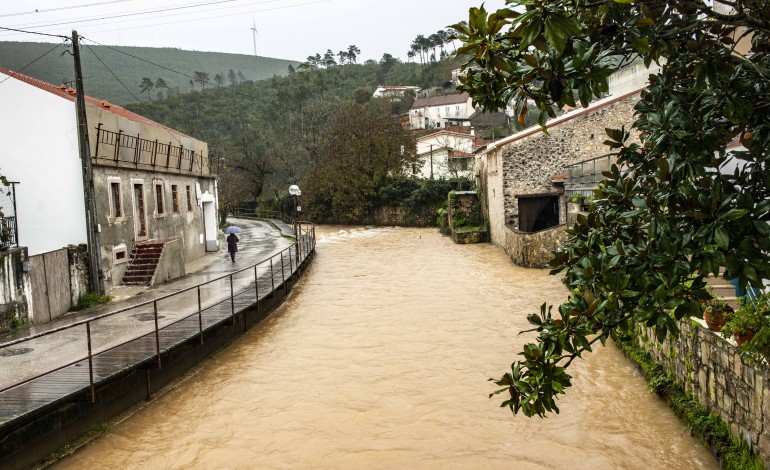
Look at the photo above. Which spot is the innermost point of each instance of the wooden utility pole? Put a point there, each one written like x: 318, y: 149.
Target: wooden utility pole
x: 95, y: 282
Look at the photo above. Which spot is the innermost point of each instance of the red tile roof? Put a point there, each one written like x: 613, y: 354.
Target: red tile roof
x: 70, y: 94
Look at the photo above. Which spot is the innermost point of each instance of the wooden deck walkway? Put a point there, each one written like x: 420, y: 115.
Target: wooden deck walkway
x: 62, y: 384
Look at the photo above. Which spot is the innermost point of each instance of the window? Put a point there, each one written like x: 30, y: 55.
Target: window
x: 538, y: 212
x: 447, y: 111
x: 115, y: 196
x: 120, y: 254
x: 457, y: 111
x: 189, y: 200
x: 117, y: 210
x: 175, y: 197
x: 160, y: 205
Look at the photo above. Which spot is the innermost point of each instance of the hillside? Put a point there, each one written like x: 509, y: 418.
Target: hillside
x: 100, y: 83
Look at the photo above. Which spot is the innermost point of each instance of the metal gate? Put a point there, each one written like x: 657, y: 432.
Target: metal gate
x: 51, y: 294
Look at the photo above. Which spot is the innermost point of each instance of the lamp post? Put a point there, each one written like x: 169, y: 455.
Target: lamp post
x: 296, y: 192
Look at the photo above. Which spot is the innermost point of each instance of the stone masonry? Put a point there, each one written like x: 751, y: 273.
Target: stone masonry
x: 711, y: 370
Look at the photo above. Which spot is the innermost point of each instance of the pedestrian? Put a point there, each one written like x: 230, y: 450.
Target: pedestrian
x: 232, y: 245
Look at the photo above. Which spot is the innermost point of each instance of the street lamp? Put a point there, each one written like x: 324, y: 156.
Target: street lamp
x: 295, y: 191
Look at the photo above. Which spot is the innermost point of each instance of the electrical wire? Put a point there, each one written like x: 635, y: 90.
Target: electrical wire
x: 113, y: 73
x: 75, y: 21
x: 196, y: 79
x: 22, y: 69
x: 171, y: 131
x: 136, y: 13
x: 63, y: 8
x: 34, y: 32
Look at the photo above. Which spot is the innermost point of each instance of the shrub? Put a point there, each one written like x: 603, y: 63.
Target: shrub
x: 90, y: 299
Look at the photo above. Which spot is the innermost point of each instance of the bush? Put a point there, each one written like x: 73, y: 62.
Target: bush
x: 89, y: 300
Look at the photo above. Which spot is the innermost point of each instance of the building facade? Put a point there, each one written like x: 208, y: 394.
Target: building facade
x: 151, y: 183
x: 440, y: 111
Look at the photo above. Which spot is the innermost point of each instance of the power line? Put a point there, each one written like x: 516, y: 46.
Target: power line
x: 197, y: 79
x: 113, y: 73
x: 22, y: 69
x: 63, y: 8
x: 185, y: 20
x: 171, y: 131
x: 34, y: 32
x: 134, y: 13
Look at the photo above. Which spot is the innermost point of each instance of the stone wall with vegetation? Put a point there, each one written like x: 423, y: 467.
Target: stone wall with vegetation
x: 533, y: 250
x: 15, y: 291
x: 710, y: 369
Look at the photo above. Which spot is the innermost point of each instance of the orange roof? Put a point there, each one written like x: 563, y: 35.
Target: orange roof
x: 70, y: 94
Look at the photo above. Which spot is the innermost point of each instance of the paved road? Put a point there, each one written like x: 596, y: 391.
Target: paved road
x: 258, y: 241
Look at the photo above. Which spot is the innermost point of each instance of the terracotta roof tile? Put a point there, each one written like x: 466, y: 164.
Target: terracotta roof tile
x: 69, y: 94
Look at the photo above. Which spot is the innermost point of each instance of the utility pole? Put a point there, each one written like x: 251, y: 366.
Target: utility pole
x: 95, y: 282
x: 431, y: 161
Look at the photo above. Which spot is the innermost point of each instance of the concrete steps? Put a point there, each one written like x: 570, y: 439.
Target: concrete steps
x: 144, y: 262
x: 723, y: 289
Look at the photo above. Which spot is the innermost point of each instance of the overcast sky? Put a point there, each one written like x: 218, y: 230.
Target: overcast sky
x: 287, y: 29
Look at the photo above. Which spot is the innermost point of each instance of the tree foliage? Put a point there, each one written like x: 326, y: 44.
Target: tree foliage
x: 678, y: 206
x: 360, y: 149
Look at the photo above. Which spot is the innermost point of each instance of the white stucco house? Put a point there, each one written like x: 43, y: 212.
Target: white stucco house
x: 440, y: 111
x: 384, y: 91
x: 151, y: 184
x: 445, y: 154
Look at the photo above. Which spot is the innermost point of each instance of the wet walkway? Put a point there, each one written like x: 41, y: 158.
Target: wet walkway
x: 25, y: 360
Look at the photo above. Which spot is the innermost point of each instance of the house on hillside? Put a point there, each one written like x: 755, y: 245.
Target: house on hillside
x: 153, y: 187
x: 523, y: 176
x: 445, y: 154
x: 439, y: 111
x: 491, y: 125
x: 384, y: 91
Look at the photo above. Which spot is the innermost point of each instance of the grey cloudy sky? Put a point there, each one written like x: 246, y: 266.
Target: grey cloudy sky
x: 287, y: 29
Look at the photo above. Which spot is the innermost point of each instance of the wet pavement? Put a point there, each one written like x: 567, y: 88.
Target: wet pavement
x: 259, y: 240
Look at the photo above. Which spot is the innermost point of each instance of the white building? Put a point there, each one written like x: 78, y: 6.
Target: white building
x: 384, y: 91
x: 439, y: 111
x: 445, y: 154
x: 151, y: 184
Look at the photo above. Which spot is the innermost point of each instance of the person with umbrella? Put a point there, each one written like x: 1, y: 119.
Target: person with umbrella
x: 232, y: 241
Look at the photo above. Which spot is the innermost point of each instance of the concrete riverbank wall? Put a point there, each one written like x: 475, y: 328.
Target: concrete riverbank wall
x: 32, y: 438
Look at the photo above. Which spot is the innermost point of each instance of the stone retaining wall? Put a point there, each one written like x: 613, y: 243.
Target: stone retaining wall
x: 533, y: 250
x: 711, y: 370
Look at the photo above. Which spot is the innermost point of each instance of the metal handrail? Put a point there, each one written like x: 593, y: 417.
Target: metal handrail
x: 307, y: 238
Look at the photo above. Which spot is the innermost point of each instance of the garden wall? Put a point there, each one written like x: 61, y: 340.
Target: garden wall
x: 711, y: 370
x: 533, y: 250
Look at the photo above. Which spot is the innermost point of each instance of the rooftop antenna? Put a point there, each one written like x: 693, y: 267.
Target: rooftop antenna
x: 254, y: 30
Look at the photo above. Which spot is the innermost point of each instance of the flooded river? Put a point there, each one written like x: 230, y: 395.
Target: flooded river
x: 379, y: 359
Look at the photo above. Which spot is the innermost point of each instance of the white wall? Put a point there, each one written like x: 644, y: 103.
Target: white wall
x: 40, y: 150
x: 441, y: 142
x: 631, y: 78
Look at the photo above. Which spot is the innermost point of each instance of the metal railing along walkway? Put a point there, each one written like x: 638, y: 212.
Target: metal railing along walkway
x: 53, y: 365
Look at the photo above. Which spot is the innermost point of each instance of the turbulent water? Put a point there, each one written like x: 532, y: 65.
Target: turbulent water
x: 380, y: 359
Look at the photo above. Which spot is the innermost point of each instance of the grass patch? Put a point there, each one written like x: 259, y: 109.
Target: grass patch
x: 708, y: 428
x: 90, y: 299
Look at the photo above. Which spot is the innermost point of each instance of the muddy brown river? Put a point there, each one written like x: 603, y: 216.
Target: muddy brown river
x: 379, y: 360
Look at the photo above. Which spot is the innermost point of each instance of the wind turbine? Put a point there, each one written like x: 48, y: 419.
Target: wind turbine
x: 254, y: 30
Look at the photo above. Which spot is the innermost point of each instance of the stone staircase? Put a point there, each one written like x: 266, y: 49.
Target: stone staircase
x: 722, y: 288
x: 144, y: 261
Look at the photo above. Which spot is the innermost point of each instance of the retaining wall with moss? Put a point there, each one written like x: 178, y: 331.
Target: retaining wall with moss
x: 710, y: 369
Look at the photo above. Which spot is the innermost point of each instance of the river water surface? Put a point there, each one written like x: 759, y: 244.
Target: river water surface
x: 379, y: 359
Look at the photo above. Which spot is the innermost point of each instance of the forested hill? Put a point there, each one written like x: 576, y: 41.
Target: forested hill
x: 56, y: 68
